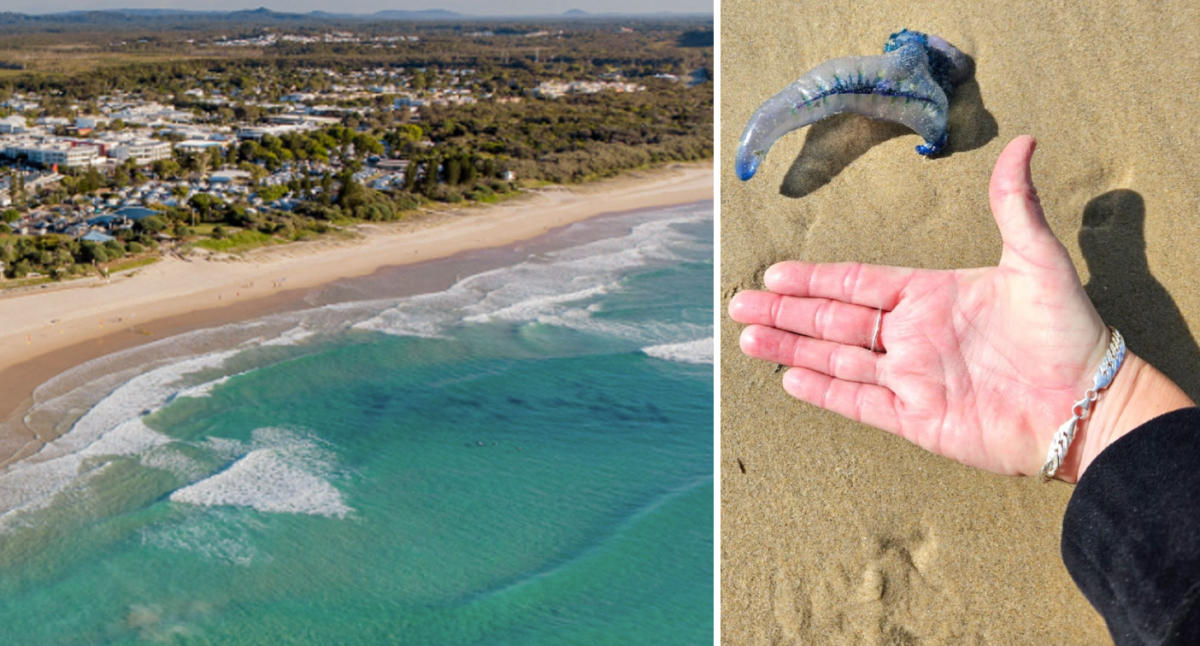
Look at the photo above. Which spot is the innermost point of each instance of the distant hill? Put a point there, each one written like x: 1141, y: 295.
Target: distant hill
x: 424, y: 14
x: 260, y: 15
x: 196, y: 19
x: 125, y: 17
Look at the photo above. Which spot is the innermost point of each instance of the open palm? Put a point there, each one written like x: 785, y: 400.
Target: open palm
x: 978, y: 365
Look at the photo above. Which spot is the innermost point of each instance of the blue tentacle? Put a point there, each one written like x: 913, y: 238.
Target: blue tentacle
x: 909, y: 84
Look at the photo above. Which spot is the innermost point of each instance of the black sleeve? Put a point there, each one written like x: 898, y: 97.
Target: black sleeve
x: 1131, y: 533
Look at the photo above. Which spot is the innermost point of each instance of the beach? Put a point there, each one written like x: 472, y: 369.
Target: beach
x: 507, y: 445
x: 49, y: 331
x: 833, y: 532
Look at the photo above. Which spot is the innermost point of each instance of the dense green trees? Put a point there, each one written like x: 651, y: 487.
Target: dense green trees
x: 57, y: 256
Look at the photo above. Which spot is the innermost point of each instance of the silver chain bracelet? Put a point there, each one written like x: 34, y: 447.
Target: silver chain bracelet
x: 1065, y: 434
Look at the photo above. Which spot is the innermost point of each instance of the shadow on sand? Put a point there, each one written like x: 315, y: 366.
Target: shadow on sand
x: 834, y: 143
x: 1127, y: 296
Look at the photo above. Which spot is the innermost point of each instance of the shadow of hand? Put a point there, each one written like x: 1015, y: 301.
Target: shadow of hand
x: 1128, y: 296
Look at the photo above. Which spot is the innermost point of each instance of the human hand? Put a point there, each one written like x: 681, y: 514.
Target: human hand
x: 978, y: 365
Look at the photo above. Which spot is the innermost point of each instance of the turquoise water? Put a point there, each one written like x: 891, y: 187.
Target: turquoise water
x: 522, y: 458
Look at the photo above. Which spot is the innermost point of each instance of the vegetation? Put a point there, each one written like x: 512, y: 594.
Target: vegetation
x: 306, y: 184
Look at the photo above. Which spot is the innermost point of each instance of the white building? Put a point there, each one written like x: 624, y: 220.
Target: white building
x: 89, y: 121
x: 193, y: 146
x: 50, y: 153
x: 142, y: 151
x: 12, y: 124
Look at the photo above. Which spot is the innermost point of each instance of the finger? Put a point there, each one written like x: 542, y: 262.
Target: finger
x: 848, y: 362
x: 867, y: 403
x: 1017, y: 210
x: 850, y: 282
x: 820, y: 318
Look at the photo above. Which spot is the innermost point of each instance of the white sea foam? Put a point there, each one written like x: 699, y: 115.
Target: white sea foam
x: 215, y: 534
x: 697, y: 351
x: 288, y: 473
x: 225, y: 448
x: 106, y: 398
x: 112, y: 427
x: 265, y: 481
x: 530, y: 308
x: 168, y: 458
x: 409, y: 319
x: 293, y: 336
x: 32, y: 484
x: 144, y: 393
x: 556, y: 288
x: 205, y: 389
x: 129, y: 437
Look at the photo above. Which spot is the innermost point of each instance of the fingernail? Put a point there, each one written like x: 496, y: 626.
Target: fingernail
x: 735, y: 304
x: 746, y: 340
x: 772, y: 274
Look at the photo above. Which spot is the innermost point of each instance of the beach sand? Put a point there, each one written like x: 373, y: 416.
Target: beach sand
x: 48, y: 331
x: 833, y: 532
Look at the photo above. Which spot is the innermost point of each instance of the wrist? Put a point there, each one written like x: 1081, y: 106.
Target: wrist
x: 1138, y: 394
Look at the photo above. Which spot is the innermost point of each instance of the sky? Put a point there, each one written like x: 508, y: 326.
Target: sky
x: 471, y: 7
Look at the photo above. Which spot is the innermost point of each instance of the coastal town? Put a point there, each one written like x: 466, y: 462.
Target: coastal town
x: 244, y: 155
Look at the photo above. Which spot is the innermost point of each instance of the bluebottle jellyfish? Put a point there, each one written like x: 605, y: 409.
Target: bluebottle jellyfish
x: 910, y: 84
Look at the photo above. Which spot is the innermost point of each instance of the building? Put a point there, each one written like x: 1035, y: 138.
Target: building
x: 229, y: 176
x: 89, y: 121
x: 51, y: 153
x: 257, y: 133
x: 141, y: 151
x: 194, y: 146
x: 52, y: 122
x: 135, y: 213
x: 13, y: 124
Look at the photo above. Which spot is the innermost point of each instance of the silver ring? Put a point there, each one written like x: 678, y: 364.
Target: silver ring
x: 878, y: 325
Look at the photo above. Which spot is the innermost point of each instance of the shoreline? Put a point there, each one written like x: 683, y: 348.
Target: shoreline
x: 48, y: 332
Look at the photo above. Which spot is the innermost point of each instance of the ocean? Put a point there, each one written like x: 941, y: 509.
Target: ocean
x: 521, y: 455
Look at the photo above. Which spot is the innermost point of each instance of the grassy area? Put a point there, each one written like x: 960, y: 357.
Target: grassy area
x: 132, y: 264
x: 25, y: 282
x: 237, y: 242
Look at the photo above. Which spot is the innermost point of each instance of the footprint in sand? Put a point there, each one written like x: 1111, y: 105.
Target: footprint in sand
x: 880, y: 598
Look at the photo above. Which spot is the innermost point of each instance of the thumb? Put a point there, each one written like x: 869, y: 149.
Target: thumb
x: 1018, y: 212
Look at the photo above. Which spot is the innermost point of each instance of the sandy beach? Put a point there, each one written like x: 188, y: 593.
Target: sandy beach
x: 833, y: 532
x: 48, y: 331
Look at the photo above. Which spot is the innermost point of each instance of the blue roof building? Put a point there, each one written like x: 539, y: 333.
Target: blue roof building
x: 135, y: 213
x: 103, y: 220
